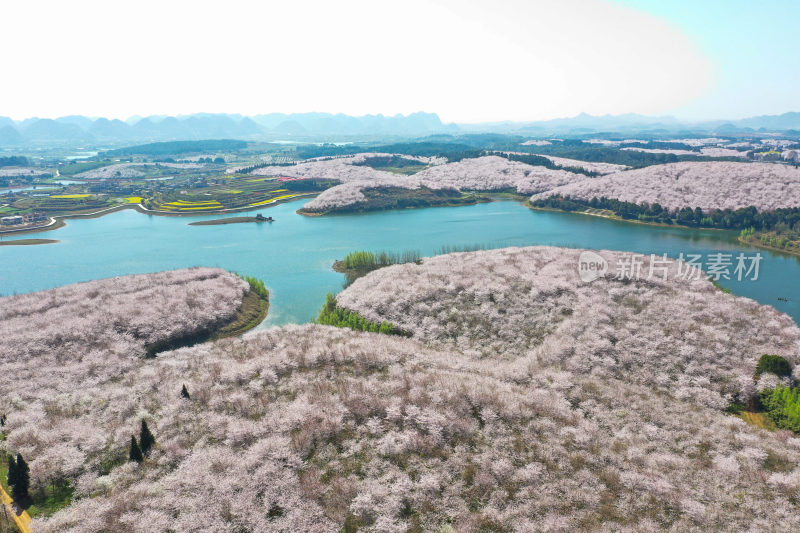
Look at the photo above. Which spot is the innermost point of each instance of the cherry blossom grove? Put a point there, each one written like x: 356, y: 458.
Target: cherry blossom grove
x: 120, y: 170
x: 589, y: 166
x: 525, y: 400
x: 342, y: 169
x: 18, y: 171
x: 489, y: 173
x: 60, y: 345
x: 129, y: 170
x: 704, y: 152
x: 493, y: 173
x: 530, y: 304
x: 708, y: 185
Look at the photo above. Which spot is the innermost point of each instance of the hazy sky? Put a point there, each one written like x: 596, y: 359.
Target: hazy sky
x: 467, y: 60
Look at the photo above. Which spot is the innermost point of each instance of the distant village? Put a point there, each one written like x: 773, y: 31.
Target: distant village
x: 26, y: 219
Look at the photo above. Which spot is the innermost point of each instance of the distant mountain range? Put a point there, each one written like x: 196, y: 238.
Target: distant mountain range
x: 76, y: 130
x: 585, y: 124
x: 102, y: 131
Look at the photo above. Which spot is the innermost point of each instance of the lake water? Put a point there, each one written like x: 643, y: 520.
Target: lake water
x: 294, y: 254
x: 31, y: 188
x: 81, y: 155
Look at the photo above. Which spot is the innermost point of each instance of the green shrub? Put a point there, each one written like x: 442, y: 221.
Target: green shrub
x: 366, y: 261
x: 774, y: 364
x: 736, y: 408
x: 782, y: 404
x: 333, y: 315
x: 256, y: 285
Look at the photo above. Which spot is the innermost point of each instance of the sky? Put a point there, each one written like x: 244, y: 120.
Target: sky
x: 467, y: 60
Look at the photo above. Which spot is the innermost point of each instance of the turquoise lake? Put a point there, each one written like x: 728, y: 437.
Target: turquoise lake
x: 294, y: 254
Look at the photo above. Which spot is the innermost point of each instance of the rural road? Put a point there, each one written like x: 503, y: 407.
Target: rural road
x: 23, y: 521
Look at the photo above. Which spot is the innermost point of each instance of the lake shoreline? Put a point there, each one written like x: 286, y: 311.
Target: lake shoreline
x: 366, y: 207
x: 620, y: 219
x: 60, y: 220
x: 58, y: 223
x: 250, y: 314
x: 770, y: 248
x: 141, y: 209
x: 297, y: 260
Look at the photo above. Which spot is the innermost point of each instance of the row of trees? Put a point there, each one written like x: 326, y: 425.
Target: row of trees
x: 389, y: 161
x: 452, y: 151
x: 180, y: 147
x: 218, y: 160
x: 781, y: 235
x: 358, y: 264
x: 14, y: 161
x: 743, y: 218
x: 577, y: 149
x: 257, y: 286
x: 370, y: 260
x: 256, y: 166
x: 538, y: 160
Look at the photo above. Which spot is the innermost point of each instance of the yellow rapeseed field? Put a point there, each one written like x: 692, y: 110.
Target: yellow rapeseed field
x: 182, y: 205
x: 271, y: 200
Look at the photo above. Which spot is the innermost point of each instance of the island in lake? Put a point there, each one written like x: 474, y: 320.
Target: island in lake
x: 27, y: 242
x: 233, y: 220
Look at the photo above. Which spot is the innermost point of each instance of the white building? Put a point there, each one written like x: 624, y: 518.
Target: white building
x: 11, y: 221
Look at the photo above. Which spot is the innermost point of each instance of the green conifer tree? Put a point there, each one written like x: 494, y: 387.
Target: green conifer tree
x: 12, y: 471
x: 135, y: 453
x: 146, y: 439
x: 22, y: 480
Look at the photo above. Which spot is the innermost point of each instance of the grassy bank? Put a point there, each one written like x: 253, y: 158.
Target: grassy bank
x: 357, y: 264
x: 786, y: 241
x: 252, y: 313
x: 758, y: 244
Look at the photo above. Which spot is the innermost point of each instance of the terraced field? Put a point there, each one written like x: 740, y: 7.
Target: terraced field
x: 183, y: 205
x: 196, y: 195
x: 236, y: 193
x: 63, y: 204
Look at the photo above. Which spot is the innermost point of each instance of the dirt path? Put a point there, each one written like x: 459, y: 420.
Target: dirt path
x: 23, y: 521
